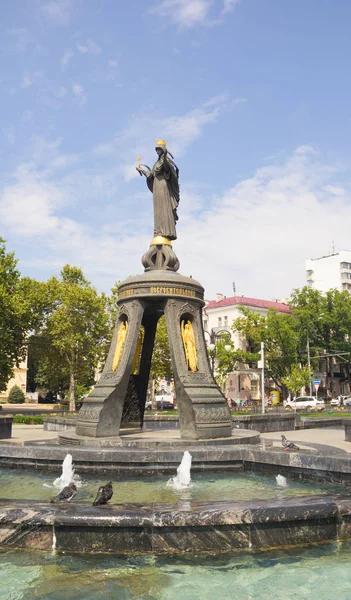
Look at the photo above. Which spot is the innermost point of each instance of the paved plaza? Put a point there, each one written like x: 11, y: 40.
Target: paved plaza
x: 317, y: 440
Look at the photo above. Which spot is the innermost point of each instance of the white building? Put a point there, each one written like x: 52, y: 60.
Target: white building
x: 19, y: 378
x: 219, y: 314
x: 329, y: 272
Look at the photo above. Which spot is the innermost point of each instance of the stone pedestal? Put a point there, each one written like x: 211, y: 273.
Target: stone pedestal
x: 120, y: 395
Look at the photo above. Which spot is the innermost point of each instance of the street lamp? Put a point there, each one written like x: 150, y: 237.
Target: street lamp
x: 214, y: 335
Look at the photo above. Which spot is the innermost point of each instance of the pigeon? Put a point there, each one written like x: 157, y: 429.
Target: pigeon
x: 104, y: 494
x: 288, y: 445
x: 67, y: 493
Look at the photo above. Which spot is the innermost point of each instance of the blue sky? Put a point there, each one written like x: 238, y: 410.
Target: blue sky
x: 253, y: 98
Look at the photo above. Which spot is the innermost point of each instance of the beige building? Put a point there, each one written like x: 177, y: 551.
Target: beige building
x: 218, y: 316
x: 19, y: 378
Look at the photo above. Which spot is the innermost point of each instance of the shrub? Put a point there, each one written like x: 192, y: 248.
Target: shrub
x: 16, y: 395
x: 28, y: 419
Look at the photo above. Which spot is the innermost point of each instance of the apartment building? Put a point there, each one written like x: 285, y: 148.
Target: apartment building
x: 329, y: 272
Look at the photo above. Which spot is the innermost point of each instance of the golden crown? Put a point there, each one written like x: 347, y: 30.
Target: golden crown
x: 160, y: 142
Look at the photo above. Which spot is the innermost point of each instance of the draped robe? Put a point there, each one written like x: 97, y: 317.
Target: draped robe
x: 162, y: 181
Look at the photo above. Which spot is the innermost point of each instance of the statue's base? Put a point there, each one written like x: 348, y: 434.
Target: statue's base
x: 120, y: 395
x: 168, y: 438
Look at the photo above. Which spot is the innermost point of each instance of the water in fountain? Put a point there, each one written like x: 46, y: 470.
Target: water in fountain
x: 281, y: 481
x: 67, y: 475
x: 183, y: 477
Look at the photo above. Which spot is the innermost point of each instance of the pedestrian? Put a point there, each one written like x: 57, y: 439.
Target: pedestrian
x: 161, y: 403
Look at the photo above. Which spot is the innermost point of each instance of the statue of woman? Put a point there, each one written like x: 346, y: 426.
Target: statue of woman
x: 162, y: 181
x: 121, y: 338
x: 189, y: 345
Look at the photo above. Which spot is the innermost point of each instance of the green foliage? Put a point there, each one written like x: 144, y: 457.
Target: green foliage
x: 320, y: 321
x: 277, y: 331
x: 20, y: 312
x: 16, y: 395
x: 72, y: 339
x: 111, y: 306
x: 161, y: 357
x: 325, y: 319
x: 299, y: 377
x: 28, y: 419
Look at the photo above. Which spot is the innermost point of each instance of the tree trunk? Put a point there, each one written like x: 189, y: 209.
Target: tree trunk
x: 152, y: 394
x: 72, y: 386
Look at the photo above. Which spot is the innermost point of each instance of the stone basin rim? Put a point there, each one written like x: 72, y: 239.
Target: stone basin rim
x: 183, y: 527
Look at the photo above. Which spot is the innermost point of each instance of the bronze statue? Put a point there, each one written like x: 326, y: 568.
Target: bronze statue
x: 162, y: 181
x: 121, y: 338
x: 189, y: 345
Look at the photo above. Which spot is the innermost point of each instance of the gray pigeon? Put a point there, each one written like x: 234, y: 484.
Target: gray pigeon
x: 66, y: 494
x: 104, y: 494
x: 288, y: 445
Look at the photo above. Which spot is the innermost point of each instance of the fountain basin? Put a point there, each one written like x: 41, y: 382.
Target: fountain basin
x: 177, y: 528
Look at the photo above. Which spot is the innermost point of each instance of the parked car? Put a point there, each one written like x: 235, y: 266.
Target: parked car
x: 347, y: 401
x: 165, y: 401
x: 304, y: 403
x: 339, y: 401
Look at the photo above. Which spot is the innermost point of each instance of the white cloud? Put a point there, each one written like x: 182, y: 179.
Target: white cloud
x: 228, y: 5
x: 78, y: 92
x: 36, y: 218
x: 10, y: 135
x: 58, y: 11
x: 61, y: 92
x: 186, y: 14
x: 27, y: 81
x: 90, y: 47
x: 257, y: 233
x: 66, y: 59
x: 19, y: 40
x: 27, y: 115
x: 260, y: 232
x: 105, y: 74
x: 180, y: 131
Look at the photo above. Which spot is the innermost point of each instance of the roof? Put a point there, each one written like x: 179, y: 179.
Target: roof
x: 254, y: 302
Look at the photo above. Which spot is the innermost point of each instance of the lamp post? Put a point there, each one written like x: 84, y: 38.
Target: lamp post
x: 214, y: 335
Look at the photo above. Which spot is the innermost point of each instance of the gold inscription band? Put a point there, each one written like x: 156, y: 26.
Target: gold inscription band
x: 159, y: 290
x: 171, y: 290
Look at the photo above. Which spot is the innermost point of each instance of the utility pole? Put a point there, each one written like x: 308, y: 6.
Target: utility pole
x: 309, y: 359
x: 260, y: 365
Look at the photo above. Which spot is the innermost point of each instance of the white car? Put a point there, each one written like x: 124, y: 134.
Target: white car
x: 336, y: 402
x: 306, y: 403
x: 347, y: 401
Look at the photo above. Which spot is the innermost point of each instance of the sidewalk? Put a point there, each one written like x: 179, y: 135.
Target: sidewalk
x: 309, y: 437
x: 22, y: 434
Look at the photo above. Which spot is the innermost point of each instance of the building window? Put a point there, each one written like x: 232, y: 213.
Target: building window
x: 205, y: 324
x: 345, y: 265
x: 254, y: 387
x: 225, y: 321
x: 219, y: 321
x: 345, y: 275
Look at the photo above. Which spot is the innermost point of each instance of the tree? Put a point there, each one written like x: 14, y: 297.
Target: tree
x: 279, y: 334
x: 21, y: 310
x: 161, y: 365
x: 325, y: 321
x: 111, y: 307
x: 16, y: 395
x: 299, y: 377
x: 73, y: 337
